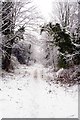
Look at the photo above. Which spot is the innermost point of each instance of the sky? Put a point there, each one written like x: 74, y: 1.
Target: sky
x: 45, y: 7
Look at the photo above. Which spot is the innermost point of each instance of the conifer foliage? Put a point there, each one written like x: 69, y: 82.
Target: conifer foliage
x: 63, y: 41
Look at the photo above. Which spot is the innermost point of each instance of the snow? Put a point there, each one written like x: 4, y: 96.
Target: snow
x: 59, y: 72
x: 27, y: 94
x: 77, y: 45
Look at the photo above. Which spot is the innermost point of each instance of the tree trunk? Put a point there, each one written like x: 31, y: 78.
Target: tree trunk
x: 6, y: 56
x: 8, y: 33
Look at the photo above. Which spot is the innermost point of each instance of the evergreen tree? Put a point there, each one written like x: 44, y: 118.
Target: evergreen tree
x: 62, y: 40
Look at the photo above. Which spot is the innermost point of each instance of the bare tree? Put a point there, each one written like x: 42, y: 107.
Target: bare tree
x: 67, y: 15
x: 15, y: 15
x: 8, y: 32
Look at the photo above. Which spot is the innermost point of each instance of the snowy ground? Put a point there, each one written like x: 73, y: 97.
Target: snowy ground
x: 27, y: 94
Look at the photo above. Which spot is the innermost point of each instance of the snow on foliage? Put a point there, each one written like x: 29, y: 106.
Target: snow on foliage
x: 69, y: 76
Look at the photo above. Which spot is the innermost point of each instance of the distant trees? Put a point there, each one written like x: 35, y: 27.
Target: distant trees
x: 67, y: 15
x: 22, y: 51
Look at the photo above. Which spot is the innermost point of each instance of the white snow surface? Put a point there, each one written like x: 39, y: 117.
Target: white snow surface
x: 27, y: 94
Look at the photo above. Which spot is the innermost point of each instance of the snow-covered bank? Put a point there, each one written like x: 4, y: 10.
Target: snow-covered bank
x: 27, y: 94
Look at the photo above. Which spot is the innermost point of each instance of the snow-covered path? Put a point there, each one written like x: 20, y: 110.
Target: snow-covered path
x: 27, y: 94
